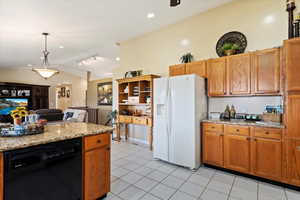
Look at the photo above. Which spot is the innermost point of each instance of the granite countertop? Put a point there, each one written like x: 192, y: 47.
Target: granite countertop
x: 246, y: 123
x: 53, y: 133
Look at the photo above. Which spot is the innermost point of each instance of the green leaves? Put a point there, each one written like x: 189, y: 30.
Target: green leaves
x: 186, y: 58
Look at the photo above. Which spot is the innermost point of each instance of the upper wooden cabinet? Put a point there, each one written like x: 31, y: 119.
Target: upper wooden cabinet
x: 292, y: 64
x: 292, y: 117
x: 198, y: 68
x: 217, y: 79
x: 266, y: 72
x: 176, y: 70
x: 239, y: 73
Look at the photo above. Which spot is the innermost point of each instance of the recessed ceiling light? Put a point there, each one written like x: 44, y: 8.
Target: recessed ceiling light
x: 269, y: 19
x: 185, y: 42
x: 150, y: 15
x: 118, y: 58
x: 61, y: 47
x: 29, y: 65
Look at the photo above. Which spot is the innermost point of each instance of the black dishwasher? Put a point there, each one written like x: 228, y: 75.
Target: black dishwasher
x: 46, y: 172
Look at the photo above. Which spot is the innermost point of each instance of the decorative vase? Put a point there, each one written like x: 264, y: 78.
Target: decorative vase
x: 17, y: 121
x: 230, y: 52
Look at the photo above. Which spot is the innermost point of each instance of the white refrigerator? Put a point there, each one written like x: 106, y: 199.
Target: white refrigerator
x: 180, y: 103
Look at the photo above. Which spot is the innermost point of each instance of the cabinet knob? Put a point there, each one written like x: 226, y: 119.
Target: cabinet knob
x: 248, y: 138
x: 108, y: 148
x: 237, y: 130
x: 98, y: 141
x: 267, y: 132
x: 221, y: 134
x: 212, y: 127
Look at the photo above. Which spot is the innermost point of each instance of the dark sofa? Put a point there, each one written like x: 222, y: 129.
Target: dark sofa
x: 50, y: 114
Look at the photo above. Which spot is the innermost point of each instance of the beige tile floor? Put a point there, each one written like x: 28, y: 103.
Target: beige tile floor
x: 137, y: 176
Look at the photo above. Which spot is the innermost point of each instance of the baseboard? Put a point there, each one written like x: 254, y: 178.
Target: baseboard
x: 134, y: 140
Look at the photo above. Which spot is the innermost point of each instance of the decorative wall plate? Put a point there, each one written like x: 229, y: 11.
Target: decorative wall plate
x: 232, y: 37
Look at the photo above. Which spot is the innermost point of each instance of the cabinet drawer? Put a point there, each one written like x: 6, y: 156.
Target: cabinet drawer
x: 140, y: 120
x: 237, y: 130
x: 96, y: 141
x: 213, y: 127
x: 271, y: 133
x: 125, y: 119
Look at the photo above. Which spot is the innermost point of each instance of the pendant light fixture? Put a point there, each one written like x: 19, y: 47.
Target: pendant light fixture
x: 45, y: 71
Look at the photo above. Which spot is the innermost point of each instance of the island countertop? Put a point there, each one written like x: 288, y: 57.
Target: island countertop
x: 53, y: 133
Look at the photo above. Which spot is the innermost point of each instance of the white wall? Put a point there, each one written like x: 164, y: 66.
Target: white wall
x: 264, y: 22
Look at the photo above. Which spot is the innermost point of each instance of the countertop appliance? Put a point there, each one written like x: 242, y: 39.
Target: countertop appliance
x: 50, y: 172
x: 180, y: 104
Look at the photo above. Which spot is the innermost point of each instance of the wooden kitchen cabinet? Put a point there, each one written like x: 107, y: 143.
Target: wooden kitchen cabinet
x: 96, y: 166
x: 213, y: 146
x: 198, y: 68
x: 237, y: 152
x: 266, y: 158
x: 266, y: 72
x: 293, y: 161
x: 217, y: 78
x: 176, y: 70
x: 239, y: 74
x: 292, y: 64
x: 293, y: 116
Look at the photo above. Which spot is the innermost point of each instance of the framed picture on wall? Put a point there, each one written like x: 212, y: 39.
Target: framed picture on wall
x: 104, y: 93
x: 63, y: 92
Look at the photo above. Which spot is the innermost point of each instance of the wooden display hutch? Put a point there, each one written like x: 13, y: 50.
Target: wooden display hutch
x: 135, y: 104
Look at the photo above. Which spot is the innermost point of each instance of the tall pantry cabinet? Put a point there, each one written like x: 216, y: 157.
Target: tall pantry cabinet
x: 292, y: 112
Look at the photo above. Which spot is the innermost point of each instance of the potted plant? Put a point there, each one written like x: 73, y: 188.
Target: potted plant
x: 230, y: 48
x: 187, y: 58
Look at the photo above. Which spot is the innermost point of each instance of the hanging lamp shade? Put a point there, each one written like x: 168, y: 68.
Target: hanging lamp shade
x: 45, y: 71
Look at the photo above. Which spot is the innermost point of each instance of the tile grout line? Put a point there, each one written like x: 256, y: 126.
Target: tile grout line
x: 231, y: 187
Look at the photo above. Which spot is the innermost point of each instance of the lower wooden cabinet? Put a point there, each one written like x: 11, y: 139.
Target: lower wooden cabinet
x: 96, y: 166
x: 213, y: 148
x: 267, y: 158
x: 257, y: 151
x: 237, y: 152
x: 293, y: 161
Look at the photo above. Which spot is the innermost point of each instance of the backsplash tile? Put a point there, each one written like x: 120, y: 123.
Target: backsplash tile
x: 250, y: 105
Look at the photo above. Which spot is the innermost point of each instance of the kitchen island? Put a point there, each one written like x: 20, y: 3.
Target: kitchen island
x: 73, y: 153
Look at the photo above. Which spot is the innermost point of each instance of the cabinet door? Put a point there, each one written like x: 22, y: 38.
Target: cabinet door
x: 217, y: 81
x: 213, y: 148
x: 267, y: 158
x: 237, y: 153
x: 292, y: 57
x: 293, y: 161
x: 198, y: 68
x: 239, y: 72
x: 293, y: 116
x: 266, y: 71
x: 177, y: 70
x: 96, y: 173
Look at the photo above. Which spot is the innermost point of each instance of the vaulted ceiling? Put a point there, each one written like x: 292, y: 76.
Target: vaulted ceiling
x: 82, y: 28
